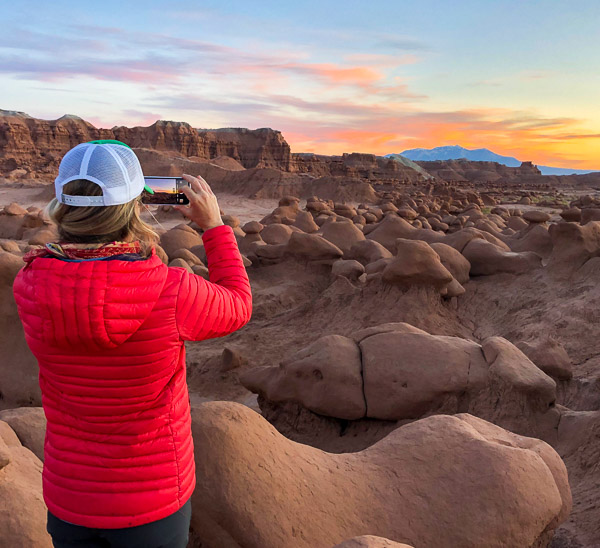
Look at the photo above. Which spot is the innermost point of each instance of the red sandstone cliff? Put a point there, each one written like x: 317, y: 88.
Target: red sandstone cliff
x: 37, y: 146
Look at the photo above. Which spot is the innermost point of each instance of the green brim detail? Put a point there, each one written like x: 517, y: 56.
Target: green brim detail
x: 109, y: 142
x: 148, y: 189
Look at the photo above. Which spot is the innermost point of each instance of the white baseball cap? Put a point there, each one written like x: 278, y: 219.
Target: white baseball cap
x: 111, y: 164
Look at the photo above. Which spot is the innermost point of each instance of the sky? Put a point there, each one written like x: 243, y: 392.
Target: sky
x: 520, y: 77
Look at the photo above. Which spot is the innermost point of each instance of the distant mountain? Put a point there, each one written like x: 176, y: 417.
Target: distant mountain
x: 456, y: 152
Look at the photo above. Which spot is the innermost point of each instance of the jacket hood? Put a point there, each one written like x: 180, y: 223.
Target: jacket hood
x: 97, y: 304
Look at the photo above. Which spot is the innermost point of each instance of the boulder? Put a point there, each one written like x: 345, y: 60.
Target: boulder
x: 22, y: 510
x: 487, y: 259
x: 537, y: 239
x: 590, y: 214
x: 571, y: 215
x: 10, y: 245
x: 181, y: 263
x: 389, y: 230
x: 325, y: 377
x: 43, y: 235
x: 232, y: 359
x: 572, y: 246
x: 516, y: 223
x: 548, y: 354
x: 14, y: 209
x: 283, y: 214
x: 426, y: 481
x: 187, y: 256
x: 416, y: 263
x: 276, y: 234
x: 344, y: 235
x: 305, y: 222
x: 180, y: 237
x: 29, y: 424
x: 19, y: 384
x: 160, y: 252
x: 312, y: 247
x: 348, y: 269
x: 407, y: 373
x: 536, y: 216
x: 368, y: 251
x: 253, y: 227
x: 230, y: 220
x: 453, y: 260
x: 421, y: 378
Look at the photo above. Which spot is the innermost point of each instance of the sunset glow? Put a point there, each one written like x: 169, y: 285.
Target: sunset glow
x: 518, y: 78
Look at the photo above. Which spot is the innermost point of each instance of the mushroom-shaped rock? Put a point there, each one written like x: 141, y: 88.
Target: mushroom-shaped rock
x: 282, y: 214
x: 453, y: 260
x: 19, y: 372
x: 305, y: 222
x: 453, y: 289
x: 571, y: 215
x: 160, y: 252
x: 407, y: 213
x: 325, y: 377
x: 276, y: 234
x: 29, y: 424
x: 590, y: 214
x: 231, y: 359
x: 548, y: 354
x: 409, y: 374
x: 180, y: 237
x: 181, y: 263
x: 14, y: 209
x: 22, y: 510
x: 368, y: 251
x: 201, y: 270
x: 573, y: 245
x: 252, y: 227
x: 370, y: 541
x: 426, y: 481
x: 189, y: 257
x: 536, y: 216
x: 312, y: 247
x: 350, y: 269
x: 289, y: 201
x: 487, y: 259
x: 516, y: 223
x: 537, y: 239
x: 344, y: 235
x: 43, y: 235
x: 11, y: 246
x: 389, y: 230
x: 416, y: 263
x: 230, y: 220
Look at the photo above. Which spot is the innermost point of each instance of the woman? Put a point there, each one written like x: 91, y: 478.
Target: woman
x: 107, y: 321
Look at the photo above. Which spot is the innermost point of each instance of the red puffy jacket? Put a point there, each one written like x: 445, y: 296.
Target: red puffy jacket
x: 108, y: 336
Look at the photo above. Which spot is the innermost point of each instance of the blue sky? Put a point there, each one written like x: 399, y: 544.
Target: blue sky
x: 519, y: 77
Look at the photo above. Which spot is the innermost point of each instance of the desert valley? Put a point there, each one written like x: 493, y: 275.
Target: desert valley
x: 421, y: 367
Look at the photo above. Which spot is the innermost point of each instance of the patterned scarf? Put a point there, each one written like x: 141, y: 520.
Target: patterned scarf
x: 82, y: 251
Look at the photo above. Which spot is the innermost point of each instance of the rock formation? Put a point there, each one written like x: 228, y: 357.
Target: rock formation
x: 425, y: 481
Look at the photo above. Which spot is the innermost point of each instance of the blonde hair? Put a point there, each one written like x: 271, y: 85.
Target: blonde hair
x: 99, y: 224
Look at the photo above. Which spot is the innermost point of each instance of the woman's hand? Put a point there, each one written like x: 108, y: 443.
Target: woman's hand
x: 203, y: 208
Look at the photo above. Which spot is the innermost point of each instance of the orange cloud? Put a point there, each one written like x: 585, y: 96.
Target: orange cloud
x: 543, y: 141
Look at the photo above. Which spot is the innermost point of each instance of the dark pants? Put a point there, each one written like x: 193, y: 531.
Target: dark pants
x: 169, y: 532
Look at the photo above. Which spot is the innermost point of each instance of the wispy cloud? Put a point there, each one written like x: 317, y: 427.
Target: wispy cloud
x: 323, y: 101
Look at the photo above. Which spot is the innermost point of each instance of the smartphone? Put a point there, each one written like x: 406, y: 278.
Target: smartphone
x: 164, y: 191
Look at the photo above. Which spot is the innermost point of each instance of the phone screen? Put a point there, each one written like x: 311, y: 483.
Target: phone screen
x: 167, y: 191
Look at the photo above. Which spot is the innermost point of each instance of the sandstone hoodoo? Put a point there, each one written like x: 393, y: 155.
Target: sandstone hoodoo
x: 421, y: 362
x: 391, y: 489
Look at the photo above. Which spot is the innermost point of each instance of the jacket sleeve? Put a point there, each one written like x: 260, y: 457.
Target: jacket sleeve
x: 208, y: 309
